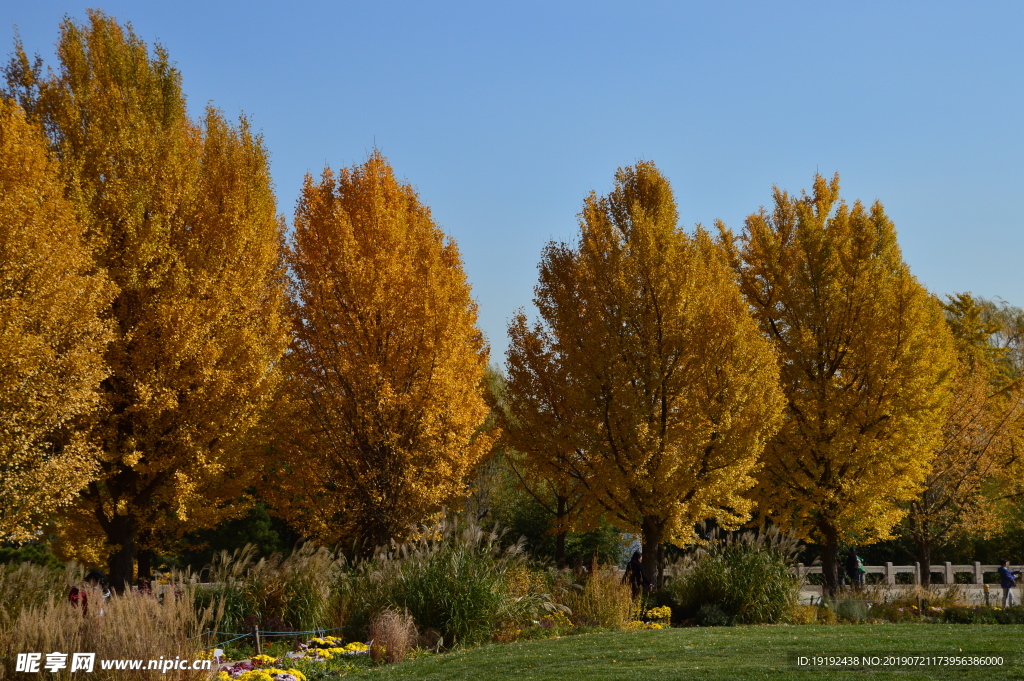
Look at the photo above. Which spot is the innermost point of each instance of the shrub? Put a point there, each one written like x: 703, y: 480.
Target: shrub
x: 710, y: 615
x: 851, y: 610
x: 803, y: 614
x: 746, y: 575
x: 983, y: 615
x: 457, y: 581
x: 969, y: 615
x: 392, y: 634
x: 601, y: 601
x: 274, y: 593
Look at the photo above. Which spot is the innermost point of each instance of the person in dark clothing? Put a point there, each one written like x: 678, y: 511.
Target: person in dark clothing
x: 634, y: 575
x: 95, y: 583
x: 840, y: 574
x: 855, y: 569
x: 1007, y: 580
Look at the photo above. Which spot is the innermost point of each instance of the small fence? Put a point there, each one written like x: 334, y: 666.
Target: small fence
x: 946, y: 572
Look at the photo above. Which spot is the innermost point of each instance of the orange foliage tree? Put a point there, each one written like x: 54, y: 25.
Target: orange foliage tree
x: 51, y: 336
x: 385, y: 398
x: 645, y: 381
x: 866, y: 365
x: 181, y: 216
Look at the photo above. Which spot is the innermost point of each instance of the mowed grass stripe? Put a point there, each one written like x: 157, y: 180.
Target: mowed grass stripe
x: 756, y: 652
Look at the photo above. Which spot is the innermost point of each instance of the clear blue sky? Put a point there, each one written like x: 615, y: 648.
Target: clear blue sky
x: 504, y: 115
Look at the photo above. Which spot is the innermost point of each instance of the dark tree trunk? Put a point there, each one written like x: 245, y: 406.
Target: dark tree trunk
x: 829, y: 559
x: 145, y: 558
x: 121, y: 564
x: 924, y: 557
x: 560, y: 514
x: 660, y: 582
x: 652, y: 529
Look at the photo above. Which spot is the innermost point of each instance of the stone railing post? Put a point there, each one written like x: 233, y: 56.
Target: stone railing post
x: 917, y: 573
x: 979, y: 576
x: 950, y: 578
x: 890, y: 575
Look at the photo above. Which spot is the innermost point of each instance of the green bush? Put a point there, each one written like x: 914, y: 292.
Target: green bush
x: 983, y: 615
x: 293, y: 592
x: 455, y: 581
x: 851, y: 610
x: 710, y: 615
x: 746, y: 575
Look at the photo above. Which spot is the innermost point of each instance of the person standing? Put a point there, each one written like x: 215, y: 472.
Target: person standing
x: 855, y: 569
x: 634, y: 575
x: 1007, y: 580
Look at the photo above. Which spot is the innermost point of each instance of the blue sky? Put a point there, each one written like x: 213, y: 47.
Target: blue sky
x: 504, y: 115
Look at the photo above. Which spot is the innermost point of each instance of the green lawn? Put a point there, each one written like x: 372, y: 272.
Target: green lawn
x: 759, y: 652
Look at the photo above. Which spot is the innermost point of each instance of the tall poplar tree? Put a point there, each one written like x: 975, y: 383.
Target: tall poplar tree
x: 645, y: 379
x: 866, y: 366
x: 386, y: 392
x: 182, y: 217
x: 51, y: 337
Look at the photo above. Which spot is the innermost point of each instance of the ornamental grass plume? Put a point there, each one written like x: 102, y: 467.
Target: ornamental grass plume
x: 746, y: 575
x: 131, y: 626
x: 392, y: 633
x: 454, y: 579
x: 602, y: 601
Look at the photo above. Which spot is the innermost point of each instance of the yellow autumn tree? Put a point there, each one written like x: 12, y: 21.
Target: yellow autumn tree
x: 51, y: 337
x: 181, y: 216
x: 645, y: 380
x: 975, y: 447
x: 866, y: 365
x: 386, y: 392
x: 534, y: 451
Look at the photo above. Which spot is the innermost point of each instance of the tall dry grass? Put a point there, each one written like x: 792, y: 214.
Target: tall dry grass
x: 392, y: 635
x: 454, y: 579
x: 602, y: 601
x: 30, y: 585
x: 131, y: 626
x: 293, y: 592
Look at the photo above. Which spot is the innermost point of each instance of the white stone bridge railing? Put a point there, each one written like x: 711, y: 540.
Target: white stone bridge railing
x: 946, y: 572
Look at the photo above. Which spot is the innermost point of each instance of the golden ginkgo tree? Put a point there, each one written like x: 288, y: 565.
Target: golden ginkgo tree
x: 645, y: 380
x: 866, y: 361
x: 51, y: 336
x: 181, y: 216
x: 385, y: 399
x: 975, y: 454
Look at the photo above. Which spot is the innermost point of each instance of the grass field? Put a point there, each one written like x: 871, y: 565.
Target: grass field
x: 757, y: 652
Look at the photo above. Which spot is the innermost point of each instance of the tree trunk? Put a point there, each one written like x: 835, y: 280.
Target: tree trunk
x: 560, y: 514
x: 121, y: 564
x: 829, y: 556
x: 924, y: 557
x: 660, y: 582
x: 652, y: 530
x: 145, y: 558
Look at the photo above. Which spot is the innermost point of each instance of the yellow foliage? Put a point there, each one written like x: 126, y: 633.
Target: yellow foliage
x: 976, y: 440
x: 380, y: 418
x: 181, y: 216
x: 51, y: 337
x: 646, y: 381
x: 866, y: 364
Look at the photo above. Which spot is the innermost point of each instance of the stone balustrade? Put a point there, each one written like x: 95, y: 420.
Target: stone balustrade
x: 945, y: 571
